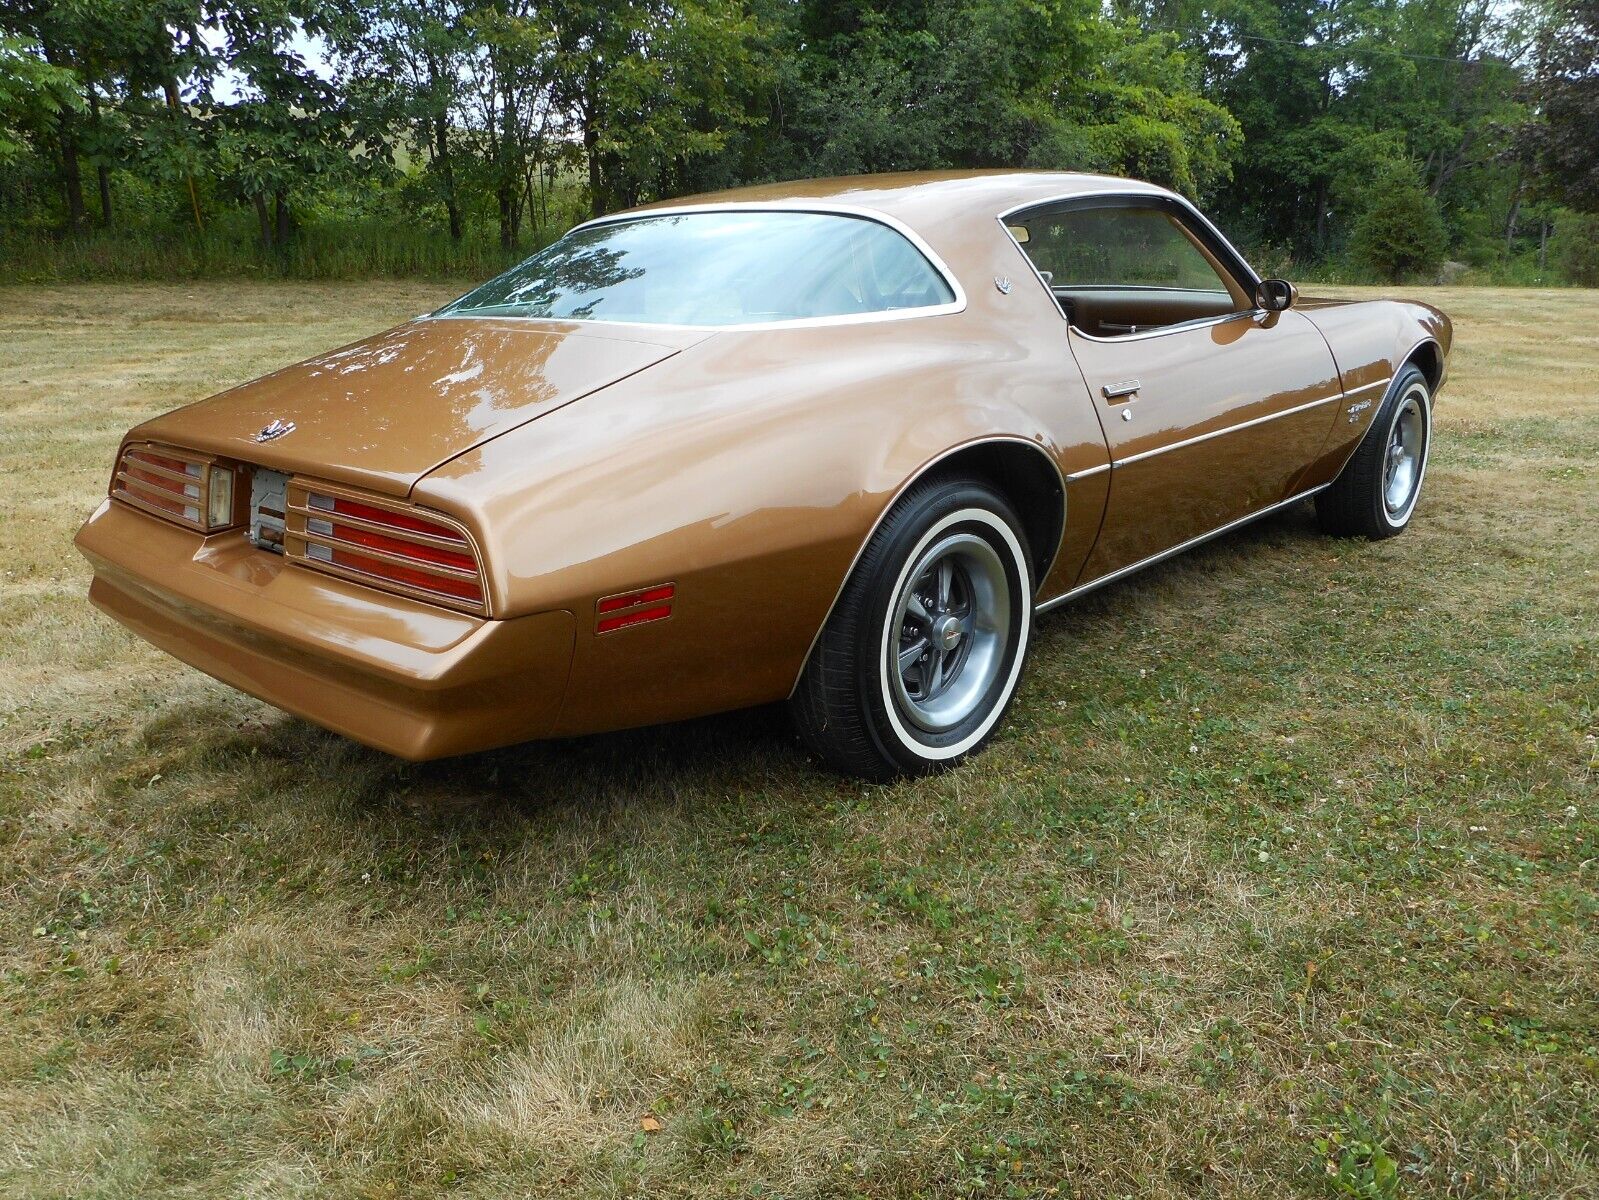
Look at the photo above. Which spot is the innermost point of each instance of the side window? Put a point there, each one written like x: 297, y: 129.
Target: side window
x: 1123, y: 270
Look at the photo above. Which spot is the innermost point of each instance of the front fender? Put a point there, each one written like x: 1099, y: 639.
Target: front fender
x: 1370, y: 341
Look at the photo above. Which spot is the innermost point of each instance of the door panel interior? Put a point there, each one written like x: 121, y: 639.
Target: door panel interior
x: 1113, y: 311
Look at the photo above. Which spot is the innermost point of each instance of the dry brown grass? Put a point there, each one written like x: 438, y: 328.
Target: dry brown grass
x: 1283, y: 869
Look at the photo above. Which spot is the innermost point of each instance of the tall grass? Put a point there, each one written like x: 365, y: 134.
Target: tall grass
x: 348, y: 249
x: 365, y: 248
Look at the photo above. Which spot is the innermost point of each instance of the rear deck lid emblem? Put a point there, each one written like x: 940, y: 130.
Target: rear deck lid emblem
x: 275, y: 430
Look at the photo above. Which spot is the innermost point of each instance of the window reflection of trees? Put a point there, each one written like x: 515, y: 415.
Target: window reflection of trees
x: 572, y: 267
x: 716, y: 269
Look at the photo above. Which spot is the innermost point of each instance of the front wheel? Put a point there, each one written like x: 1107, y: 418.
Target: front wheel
x: 924, y: 648
x: 1375, y: 494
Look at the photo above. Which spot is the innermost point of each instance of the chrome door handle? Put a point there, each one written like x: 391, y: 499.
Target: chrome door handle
x: 1126, y: 387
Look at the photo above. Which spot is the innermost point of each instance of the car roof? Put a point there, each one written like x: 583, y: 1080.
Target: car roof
x: 925, y: 201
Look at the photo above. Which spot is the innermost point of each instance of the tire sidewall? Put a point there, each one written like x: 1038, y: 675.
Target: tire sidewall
x: 955, y: 507
x: 1409, y: 381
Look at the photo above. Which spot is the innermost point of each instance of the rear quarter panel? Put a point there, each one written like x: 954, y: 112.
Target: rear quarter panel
x: 749, y: 471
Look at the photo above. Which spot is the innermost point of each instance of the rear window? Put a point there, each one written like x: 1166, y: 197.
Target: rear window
x: 716, y: 268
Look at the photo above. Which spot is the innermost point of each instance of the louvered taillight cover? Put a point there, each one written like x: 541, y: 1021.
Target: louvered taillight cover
x: 384, y: 543
x: 168, y: 482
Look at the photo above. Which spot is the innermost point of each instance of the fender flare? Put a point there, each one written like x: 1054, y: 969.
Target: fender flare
x: 920, y: 473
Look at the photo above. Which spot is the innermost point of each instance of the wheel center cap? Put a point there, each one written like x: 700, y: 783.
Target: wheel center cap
x: 947, y: 633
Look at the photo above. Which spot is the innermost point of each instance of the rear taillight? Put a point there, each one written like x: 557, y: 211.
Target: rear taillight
x: 385, y: 543
x: 177, y: 484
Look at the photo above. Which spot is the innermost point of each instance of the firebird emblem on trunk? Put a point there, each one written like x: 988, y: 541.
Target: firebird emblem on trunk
x: 272, y: 432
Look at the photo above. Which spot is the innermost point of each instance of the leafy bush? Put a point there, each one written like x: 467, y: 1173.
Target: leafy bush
x: 1400, y: 233
x: 1578, y: 235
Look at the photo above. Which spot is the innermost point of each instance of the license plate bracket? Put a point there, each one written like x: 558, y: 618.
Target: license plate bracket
x: 269, y: 499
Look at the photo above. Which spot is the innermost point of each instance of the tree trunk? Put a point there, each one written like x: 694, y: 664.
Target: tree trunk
x: 441, y: 152
x: 1321, y: 217
x: 1510, y: 221
x: 67, y: 144
x: 71, y: 176
x: 281, y: 211
x: 170, y: 87
x: 508, y: 156
x: 263, y: 219
x: 591, y: 151
x: 503, y: 193
x: 104, y: 173
x: 1543, y: 245
x: 101, y: 171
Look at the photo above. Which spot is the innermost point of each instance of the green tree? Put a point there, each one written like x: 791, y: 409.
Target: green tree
x: 647, y: 86
x: 285, y: 136
x: 33, y: 96
x: 168, y: 67
x: 1566, y: 143
x: 59, y: 37
x: 986, y: 83
x: 1400, y: 233
x: 1331, y: 93
x: 404, y: 74
x: 1579, y: 248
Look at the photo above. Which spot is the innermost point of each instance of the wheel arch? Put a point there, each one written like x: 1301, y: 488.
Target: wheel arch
x: 1025, y: 475
x: 1428, y: 356
x: 1019, y: 468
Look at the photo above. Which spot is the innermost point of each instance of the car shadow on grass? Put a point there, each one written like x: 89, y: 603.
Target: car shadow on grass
x: 1207, y: 572
x: 751, y: 751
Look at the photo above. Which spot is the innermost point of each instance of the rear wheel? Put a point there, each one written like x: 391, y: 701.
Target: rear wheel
x: 1375, y: 495
x: 923, y: 650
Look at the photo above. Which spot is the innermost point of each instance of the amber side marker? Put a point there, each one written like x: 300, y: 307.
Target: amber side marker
x: 635, y: 608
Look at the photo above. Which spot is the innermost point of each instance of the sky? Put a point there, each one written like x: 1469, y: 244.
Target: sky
x: 313, y: 50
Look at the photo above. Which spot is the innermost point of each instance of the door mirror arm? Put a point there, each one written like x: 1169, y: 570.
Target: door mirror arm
x: 1275, y: 295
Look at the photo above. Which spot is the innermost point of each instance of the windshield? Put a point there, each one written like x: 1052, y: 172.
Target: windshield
x: 716, y: 268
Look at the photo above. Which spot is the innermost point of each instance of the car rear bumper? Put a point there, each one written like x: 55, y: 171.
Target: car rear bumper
x: 403, y: 676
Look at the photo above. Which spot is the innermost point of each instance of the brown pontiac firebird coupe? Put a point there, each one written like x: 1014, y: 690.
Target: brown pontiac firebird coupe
x: 838, y: 442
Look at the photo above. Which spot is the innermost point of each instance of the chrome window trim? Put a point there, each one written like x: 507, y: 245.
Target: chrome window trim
x: 1162, y: 331
x: 1248, y: 276
x: 957, y: 305
x: 1160, y: 556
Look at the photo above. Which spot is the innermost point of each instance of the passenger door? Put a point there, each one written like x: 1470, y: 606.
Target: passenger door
x: 1212, y: 409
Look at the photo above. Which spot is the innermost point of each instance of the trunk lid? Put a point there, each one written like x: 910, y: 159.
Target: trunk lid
x: 382, y: 412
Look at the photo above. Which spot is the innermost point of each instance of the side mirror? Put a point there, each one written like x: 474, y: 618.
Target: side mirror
x: 1275, y: 295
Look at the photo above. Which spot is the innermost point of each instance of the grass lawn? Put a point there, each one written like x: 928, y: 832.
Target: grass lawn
x: 1281, y: 880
